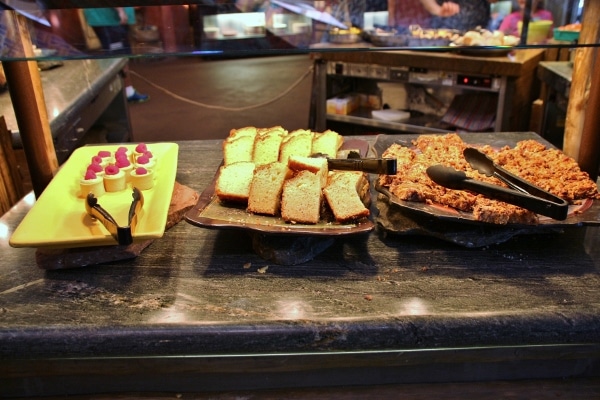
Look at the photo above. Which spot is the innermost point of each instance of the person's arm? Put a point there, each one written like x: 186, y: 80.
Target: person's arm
x: 122, y: 15
x: 447, y: 9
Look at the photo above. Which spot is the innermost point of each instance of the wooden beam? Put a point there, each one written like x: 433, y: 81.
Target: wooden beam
x: 25, y: 88
x: 589, y: 150
x: 581, y: 81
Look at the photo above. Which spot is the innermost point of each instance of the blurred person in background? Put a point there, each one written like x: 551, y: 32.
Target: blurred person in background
x: 510, y: 24
x: 471, y: 15
x: 403, y: 13
x: 111, y: 25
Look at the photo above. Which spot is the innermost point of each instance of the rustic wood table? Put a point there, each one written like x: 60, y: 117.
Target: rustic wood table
x: 198, y: 311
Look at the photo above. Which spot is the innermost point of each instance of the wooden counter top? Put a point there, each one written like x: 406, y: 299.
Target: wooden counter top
x: 515, y: 64
x: 199, y: 310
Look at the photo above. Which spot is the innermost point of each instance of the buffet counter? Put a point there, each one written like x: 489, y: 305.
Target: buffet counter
x: 198, y: 310
x: 78, y: 93
x: 510, y: 76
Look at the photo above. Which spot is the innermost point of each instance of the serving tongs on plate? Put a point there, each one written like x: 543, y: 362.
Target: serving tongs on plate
x: 122, y: 234
x: 355, y: 162
x: 520, y: 192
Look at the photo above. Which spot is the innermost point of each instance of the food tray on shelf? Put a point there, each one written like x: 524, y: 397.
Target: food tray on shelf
x: 565, y: 36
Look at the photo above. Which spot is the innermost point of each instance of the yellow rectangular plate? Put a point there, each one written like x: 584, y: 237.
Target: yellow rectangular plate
x: 58, y: 217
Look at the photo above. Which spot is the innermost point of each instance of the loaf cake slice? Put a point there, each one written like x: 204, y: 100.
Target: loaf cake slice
x: 327, y: 143
x: 273, y: 128
x: 239, y: 149
x: 344, y: 193
x: 233, y: 183
x: 266, y: 146
x: 301, y: 198
x: 245, y: 131
x: 298, y: 142
x: 316, y: 165
x: 266, y: 187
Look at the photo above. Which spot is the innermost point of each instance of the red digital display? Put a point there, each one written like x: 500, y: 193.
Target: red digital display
x: 475, y: 81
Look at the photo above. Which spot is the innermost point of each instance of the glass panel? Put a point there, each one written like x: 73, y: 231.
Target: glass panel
x: 58, y: 29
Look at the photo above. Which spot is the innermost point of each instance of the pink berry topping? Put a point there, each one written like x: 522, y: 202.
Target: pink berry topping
x: 104, y: 153
x: 89, y: 175
x: 122, y: 163
x: 96, y: 160
x: 111, y: 170
x: 149, y: 154
x: 143, y: 159
x: 141, y: 148
x: 141, y: 171
x: 94, y: 167
x: 121, y: 149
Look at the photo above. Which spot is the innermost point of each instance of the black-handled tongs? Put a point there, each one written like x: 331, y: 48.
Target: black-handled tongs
x: 521, y: 192
x: 354, y: 162
x: 122, y: 234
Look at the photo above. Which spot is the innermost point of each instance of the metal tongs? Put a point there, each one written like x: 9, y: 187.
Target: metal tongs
x: 521, y: 192
x: 354, y: 162
x: 122, y: 234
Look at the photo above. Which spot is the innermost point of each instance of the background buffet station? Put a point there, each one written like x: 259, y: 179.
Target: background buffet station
x: 393, y: 246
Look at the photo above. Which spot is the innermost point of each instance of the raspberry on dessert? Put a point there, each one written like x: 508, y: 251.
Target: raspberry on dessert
x: 111, y: 170
x: 141, y: 148
x: 94, y: 167
x: 122, y: 162
x: 89, y: 174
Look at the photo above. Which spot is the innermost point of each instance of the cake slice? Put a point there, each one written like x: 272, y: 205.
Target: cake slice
x: 273, y: 128
x: 266, y: 146
x: 245, y: 131
x: 298, y: 142
x: 316, y: 165
x: 233, y: 183
x: 327, y: 143
x: 344, y: 192
x: 266, y: 187
x: 301, y: 198
x: 239, y: 149
x: 239, y: 145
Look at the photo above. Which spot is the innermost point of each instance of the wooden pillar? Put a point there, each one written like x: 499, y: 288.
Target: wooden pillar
x: 25, y: 88
x: 578, y: 109
x: 589, y: 149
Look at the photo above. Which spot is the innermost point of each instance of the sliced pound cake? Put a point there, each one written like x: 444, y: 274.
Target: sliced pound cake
x: 238, y: 149
x: 327, y: 143
x: 301, y: 198
x: 343, y: 194
x: 233, y: 183
x: 298, y: 142
x: 266, y: 188
x: 266, y: 146
x: 317, y: 165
